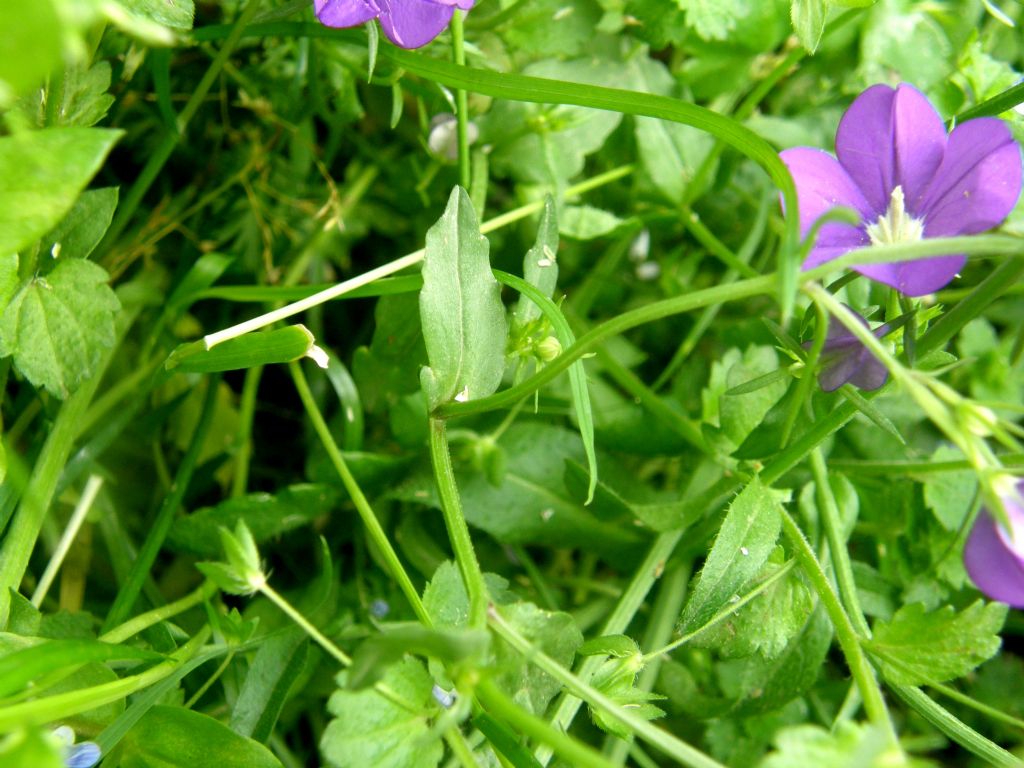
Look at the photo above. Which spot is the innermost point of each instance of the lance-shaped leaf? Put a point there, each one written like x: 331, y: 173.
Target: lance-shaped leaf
x: 464, y: 326
x: 540, y: 267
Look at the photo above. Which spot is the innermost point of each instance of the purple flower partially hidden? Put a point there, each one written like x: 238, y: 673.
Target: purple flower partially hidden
x: 406, y: 23
x: 994, y: 556
x: 908, y: 180
x: 845, y: 360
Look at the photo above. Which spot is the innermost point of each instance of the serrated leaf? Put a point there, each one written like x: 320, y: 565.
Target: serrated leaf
x: 463, y: 319
x: 41, y: 175
x: 918, y: 648
x: 84, y: 226
x: 174, y: 737
x: 847, y: 746
x: 540, y: 266
x: 711, y: 19
x: 85, y: 100
x: 744, y: 541
x: 58, y: 326
x: 369, y: 729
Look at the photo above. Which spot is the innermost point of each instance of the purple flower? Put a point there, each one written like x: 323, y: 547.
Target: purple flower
x: 994, y: 556
x: 844, y: 359
x: 908, y: 180
x: 407, y: 23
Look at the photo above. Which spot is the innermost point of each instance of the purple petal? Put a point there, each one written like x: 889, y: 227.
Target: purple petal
x: 890, y: 138
x: 977, y: 184
x: 993, y: 568
x: 821, y: 185
x: 413, y: 23
x: 916, y: 278
x: 870, y: 374
x: 463, y: 4
x: 846, y: 360
x: 345, y: 13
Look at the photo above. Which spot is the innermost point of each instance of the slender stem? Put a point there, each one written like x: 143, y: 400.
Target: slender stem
x: 656, y: 737
x: 161, y: 525
x: 829, y: 511
x: 366, y: 513
x: 20, y: 537
x: 201, y: 691
x: 322, y: 640
x: 507, y: 711
x: 461, y: 102
x: 978, y: 706
x: 954, y: 728
x: 92, y: 488
x: 860, y: 668
x: 138, y: 623
x: 246, y: 411
x: 167, y: 144
x: 455, y: 521
x: 621, y: 617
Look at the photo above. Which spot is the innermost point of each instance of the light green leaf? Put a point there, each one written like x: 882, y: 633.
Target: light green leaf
x: 918, y: 648
x: 174, y: 737
x: 84, y: 226
x: 584, y: 222
x: 20, y: 668
x: 463, y: 319
x: 744, y: 541
x: 711, y: 19
x: 368, y: 729
x: 58, y: 326
x: 850, y: 745
x: 540, y: 267
x: 8, y: 278
x: 41, y: 175
x: 616, y: 678
x: 732, y: 418
x: 31, y: 45
x: 949, y: 495
x: 809, y: 21
x: 176, y: 14
x: 86, y: 99
x: 282, y: 345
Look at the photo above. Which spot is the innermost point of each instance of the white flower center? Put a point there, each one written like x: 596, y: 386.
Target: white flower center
x: 895, y: 225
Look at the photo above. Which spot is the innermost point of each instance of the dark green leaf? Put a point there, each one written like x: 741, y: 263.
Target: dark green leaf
x: 265, y: 348
x: 277, y: 664
x: 84, y: 226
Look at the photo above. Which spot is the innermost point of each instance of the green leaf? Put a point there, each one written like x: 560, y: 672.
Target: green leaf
x: 282, y: 345
x: 266, y: 515
x: 31, y: 43
x: 616, y: 678
x: 585, y: 222
x: 389, y: 367
x: 732, y: 418
x: 809, y: 21
x: 177, y: 14
x: 41, y: 175
x: 58, y: 326
x: 174, y: 737
x: 448, y: 645
x: 711, y: 19
x: 918, y: 648
x: 949, y: 495
x: 849, y: 745
x: 30, y: 749
x: 8, y: 278
x: 85, y: 99
x: 769, y: 621
x: 369, y: 729
x: 20, y: 668
x: 540, y: 266
x: 277, y: 665
x: 84, y: 226
x: 463, y: 319
x: 744, y: 541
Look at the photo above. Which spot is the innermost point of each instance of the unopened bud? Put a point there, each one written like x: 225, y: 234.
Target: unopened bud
x: 549, y: 349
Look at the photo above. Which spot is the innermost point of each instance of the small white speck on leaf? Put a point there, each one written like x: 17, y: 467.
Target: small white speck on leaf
x: 744, y: 551
x: 463, y: 396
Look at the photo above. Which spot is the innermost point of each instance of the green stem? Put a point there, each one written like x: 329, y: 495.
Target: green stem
x: 167, y: 144
x: 145, y: 620
x: 334, y: 651
x: 20, y: 537
x: 954, y: 728
x: 246, y: 412
x: 978, y: 706
x: 656, y: 737
x: 621, y: 617
x: 455, y: 521
x: 860, y: 668
x: 161, y: 525
x: 366, y: 514
x: 461, y: 102
x: 829, y: 511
